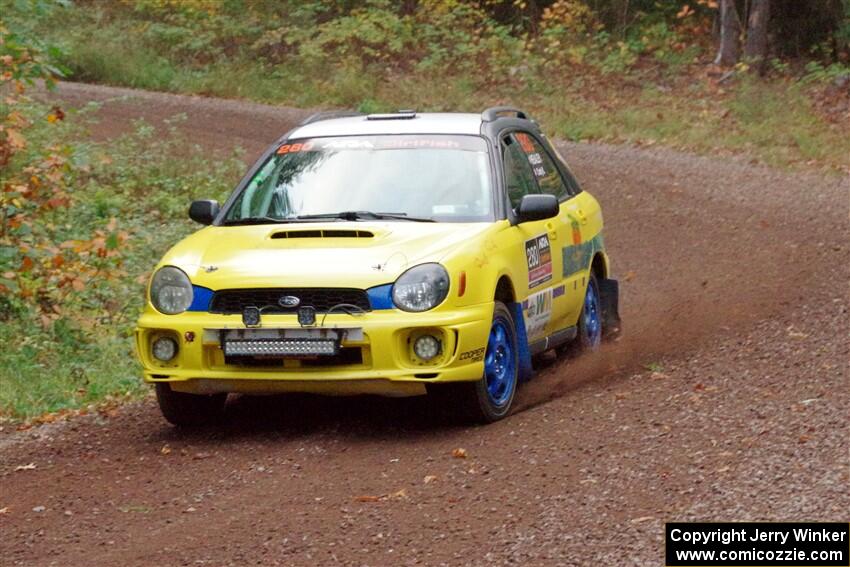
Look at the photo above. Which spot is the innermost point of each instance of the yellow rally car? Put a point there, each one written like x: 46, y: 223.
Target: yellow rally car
x: 395, y: 254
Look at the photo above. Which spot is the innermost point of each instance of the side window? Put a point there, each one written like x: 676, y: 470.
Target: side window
x: 545, y: 170
x: 519, y: 178
x: 572, y: 182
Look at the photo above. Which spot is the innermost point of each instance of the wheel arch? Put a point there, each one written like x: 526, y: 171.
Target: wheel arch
x: 599, y: 266
x: 505, y: 291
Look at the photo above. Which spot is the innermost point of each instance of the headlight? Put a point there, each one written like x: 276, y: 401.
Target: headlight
x: 171, y: 291
x: 421, y: 288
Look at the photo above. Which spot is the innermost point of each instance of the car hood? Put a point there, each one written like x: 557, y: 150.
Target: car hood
x: 333, y: 254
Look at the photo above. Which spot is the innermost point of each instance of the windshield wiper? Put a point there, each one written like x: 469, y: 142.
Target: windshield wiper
x: 256, y: 220
x: 364, y: 215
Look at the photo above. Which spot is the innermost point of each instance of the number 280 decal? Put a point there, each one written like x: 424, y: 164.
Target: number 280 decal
x: 539, y: 257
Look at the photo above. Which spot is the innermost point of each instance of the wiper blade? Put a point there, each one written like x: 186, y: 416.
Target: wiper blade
x: 256, y: 220
x: 364, y: 215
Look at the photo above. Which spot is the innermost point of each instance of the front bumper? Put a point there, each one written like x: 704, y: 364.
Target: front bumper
x: 380, y: 359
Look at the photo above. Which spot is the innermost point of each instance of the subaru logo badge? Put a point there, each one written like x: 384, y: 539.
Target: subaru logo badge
x: 289, y: 301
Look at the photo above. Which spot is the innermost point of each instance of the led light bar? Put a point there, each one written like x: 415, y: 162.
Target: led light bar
x: 281, y: 347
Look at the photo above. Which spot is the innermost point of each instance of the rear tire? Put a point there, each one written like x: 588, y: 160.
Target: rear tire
x: 490, y: 398
x: 589, y: 337
x: 184, y: 409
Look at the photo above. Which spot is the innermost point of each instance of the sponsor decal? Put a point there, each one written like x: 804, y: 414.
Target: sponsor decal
x: 421, y: 143
x: 348, y: 144
x: 473, y: 355
x: 525, y: 142
x: 558, y: 291
x: 577, y: 257
x: 465, y: 143
x: 537, y: 310
x: 576, y: 229
x: 534, y: 158
x: 539, y: 257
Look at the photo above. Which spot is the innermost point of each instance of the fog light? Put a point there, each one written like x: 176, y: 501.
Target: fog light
x: 427, y: 347
x: 164, y: 349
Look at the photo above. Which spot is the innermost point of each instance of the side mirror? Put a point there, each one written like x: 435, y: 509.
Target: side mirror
x: 204, y: 212
x: 537, y: 207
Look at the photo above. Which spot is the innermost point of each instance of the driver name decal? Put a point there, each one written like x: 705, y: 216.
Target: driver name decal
x: 539, y: 257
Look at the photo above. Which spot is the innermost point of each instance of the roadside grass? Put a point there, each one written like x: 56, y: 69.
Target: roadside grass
x: 772, y: 121
x: 669, y: 99
x: 141, y: 182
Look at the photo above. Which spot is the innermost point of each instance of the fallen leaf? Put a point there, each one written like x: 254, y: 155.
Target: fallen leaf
x: 202, y: 455
x: 804, y: 439
x: 4, y: 510
x: 367, y: 498
x: 29, y: 467
x: 429, y: 478
x: 399, y: 495
x: 642, y: 519
x: 459, y: 453
x: 165, y: 450
x: 630, y: 275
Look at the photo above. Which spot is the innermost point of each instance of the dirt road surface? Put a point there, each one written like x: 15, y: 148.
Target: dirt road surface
x: 726, y: 399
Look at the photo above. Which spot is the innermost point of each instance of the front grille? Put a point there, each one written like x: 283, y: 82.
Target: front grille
x: 322, y: 299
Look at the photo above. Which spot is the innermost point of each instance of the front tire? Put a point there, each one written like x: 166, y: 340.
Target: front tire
x: 490, y: 398
x: 184, y: 409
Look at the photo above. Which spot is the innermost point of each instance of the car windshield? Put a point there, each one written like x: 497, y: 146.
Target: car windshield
x: 400, y: 177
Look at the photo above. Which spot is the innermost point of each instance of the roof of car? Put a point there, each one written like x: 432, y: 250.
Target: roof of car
x: 419, y: 123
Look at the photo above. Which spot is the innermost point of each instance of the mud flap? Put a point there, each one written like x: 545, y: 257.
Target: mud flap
x: 524, y: 372
x: 609, y: 295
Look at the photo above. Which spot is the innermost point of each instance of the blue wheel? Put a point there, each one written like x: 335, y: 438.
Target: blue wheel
x: 490, y: 398
x: 500, y: 361
x: 590, y: 326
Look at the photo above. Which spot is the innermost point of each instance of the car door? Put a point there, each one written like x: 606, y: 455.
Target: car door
x: 583, y: 218
x: 542, y: 287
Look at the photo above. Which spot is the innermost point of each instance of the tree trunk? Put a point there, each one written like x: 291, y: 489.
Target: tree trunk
x: 755, y: 50
x: 730, y: 34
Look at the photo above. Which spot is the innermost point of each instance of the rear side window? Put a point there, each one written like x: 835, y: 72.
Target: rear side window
x: 544, y: 169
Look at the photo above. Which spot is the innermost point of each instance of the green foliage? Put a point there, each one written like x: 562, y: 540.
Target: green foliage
x: 133, y: 191
x: 817, y: 72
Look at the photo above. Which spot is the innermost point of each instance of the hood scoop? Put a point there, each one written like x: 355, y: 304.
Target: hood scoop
x: 329, y: 233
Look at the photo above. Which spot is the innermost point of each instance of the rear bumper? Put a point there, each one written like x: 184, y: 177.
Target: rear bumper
x: 383, y: 361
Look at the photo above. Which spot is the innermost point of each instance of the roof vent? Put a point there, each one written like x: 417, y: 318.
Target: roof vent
x: 322, y: 234
x: 496, y: 112
x: 398, y: 115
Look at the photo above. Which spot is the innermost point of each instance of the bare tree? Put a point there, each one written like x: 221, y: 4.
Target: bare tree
x: 730, y: 34
x: 755, y: 49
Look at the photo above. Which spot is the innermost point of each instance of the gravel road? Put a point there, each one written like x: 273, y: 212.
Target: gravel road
x: 734, y: 292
